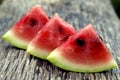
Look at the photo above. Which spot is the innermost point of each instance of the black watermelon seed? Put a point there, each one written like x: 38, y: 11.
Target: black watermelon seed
x: 80, y: 42
x: 60, y: 29
x: 33, y: 22
x: 49, y: 17
x: 100, y: 38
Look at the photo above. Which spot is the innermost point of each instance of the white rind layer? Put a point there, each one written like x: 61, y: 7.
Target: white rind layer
x: 15, y: 40
x: 58, y: 60
x: 40, y: 53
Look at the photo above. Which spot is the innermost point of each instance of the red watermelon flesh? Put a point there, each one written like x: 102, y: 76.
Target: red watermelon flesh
x: 53, y: 34
x: 83, y: 52
x: 27, y: 27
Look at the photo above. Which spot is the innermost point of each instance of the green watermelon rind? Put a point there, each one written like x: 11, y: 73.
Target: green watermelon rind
x: 15, y: 40
x: 58, y: 60
x: 40, y: 53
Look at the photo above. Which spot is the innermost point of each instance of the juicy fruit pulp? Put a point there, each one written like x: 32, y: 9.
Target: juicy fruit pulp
x: 83, y: 52
x: 52, y: 35
x: 27, y: 27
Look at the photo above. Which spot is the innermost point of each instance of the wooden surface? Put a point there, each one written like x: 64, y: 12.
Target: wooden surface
x: 16, y: 64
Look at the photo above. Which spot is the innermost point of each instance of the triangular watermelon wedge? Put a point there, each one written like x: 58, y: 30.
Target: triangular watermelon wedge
x: 52, y: 35
x: 83, y: 52
x: 27, y: 27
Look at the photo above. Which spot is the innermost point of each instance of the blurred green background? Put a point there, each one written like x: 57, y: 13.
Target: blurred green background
x: 1, y: 1
x: 116, y: 5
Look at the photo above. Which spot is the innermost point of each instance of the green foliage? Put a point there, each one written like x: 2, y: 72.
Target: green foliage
x: 1, y: 1
x: 116, y: 3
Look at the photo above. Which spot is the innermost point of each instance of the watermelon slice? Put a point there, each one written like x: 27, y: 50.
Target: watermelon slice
x: 83, y: 52
x: 53, y: 34
x: 26, y: 28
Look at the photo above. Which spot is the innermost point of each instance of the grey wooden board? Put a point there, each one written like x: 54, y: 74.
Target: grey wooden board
x: 16, y: 64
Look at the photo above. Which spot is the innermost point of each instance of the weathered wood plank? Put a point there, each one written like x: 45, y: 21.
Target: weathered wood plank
x: 16, y: 64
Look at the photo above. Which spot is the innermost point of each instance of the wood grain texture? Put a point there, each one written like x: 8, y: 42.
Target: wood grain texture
x: 16, y: 64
